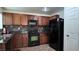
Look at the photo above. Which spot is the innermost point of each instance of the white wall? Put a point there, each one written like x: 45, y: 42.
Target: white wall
x: 1, y: 9
x: 61, y: 13
x: 1, y: 23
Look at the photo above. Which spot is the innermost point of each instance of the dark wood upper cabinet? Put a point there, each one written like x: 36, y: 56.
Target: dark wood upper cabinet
x: 54, y: 17
x: 33, y: 17
x: 30, y: 17
x: 16, y: 19
x: 24, y: 20
x: 7, y: 19
x: 40, y: 20
x: 21, y: 19
x: 43, y: 20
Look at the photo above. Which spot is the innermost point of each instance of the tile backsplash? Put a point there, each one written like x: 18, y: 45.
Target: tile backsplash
x: 0, y: 31
x: 24, y: 29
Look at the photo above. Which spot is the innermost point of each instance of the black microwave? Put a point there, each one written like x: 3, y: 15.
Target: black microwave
x: 32, y: 22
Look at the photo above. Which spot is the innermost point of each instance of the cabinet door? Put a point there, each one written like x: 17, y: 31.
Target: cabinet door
x: 40, y: 20
x: 16, y: 41
x: 7, y: 19
x: 30, y: 17
x: 36, y: 17
x: 24, y: 20
x: 16, y: 19
x: 43, y: 39
x: 45, y: 20
x: 19, y: 41
x: 53, y: 17
x: 2, y: 46
x: 25, y: 40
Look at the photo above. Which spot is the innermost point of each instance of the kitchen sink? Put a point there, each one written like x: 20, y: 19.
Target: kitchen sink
x: 7, y: 35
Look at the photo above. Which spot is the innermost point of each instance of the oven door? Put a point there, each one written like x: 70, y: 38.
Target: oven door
x: 33, y: 40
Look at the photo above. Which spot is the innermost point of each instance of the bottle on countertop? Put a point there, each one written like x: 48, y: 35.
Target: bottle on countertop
x: 4, y: 30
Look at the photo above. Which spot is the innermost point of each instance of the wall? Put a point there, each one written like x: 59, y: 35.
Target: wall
x: 1, y: 25
x: 0, y: 17
x: 61, y: 13
x: 0, y: 9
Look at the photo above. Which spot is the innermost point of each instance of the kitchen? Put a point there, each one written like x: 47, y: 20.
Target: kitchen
x: 27, y: 27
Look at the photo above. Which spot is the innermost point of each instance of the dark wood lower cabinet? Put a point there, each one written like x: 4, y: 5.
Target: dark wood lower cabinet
x: 8, y: 45
x: 43, y: 38
x: 25, y: 40
x: 14, y: 41
x: 2, y: 46
x: 19, y: 41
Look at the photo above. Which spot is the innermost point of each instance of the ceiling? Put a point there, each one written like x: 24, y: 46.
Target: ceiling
x: 37, y: 10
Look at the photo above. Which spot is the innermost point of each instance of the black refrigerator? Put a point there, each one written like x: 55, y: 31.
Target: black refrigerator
x: 56, y: 33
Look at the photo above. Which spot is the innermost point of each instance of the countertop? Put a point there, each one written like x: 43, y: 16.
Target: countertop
x: 5, y: 38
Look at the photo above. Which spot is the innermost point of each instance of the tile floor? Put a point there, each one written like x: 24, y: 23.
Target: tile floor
x: 44, y: 47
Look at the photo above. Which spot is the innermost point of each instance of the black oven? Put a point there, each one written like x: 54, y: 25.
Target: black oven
x: 33, y: 37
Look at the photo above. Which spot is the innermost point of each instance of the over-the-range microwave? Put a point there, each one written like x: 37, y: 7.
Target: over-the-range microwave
x: 32, y: 22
